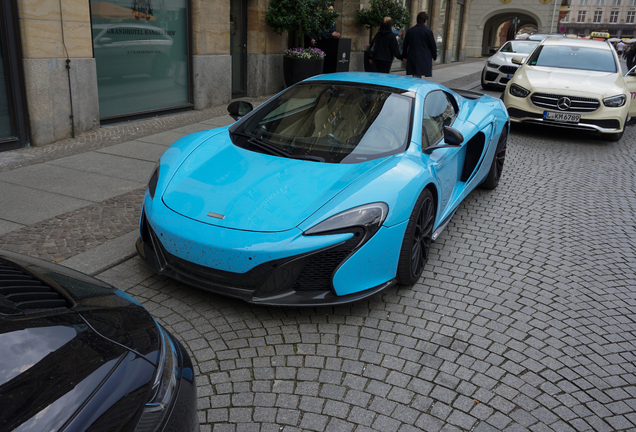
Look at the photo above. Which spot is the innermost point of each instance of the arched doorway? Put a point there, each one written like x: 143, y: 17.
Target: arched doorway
x: 501, y: 27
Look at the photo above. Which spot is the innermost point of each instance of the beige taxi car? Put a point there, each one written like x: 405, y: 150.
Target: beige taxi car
x: 572, y: 83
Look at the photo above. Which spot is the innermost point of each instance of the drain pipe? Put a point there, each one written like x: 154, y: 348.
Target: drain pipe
x: 68, y: 72
x: 70, y: 93
x: 553, y: 12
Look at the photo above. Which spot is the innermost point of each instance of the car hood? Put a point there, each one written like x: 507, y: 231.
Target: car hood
x: 54, y: 358
x: 571, y: 81
x: 224, y: 185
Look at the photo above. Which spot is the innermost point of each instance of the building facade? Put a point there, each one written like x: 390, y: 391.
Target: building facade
x: 616, y: 17
x: 70, y: 66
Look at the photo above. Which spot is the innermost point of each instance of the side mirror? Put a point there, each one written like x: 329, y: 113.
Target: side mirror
x: 631, y: 72
x: 452, y: 138
x: 238, y: 109
x: 517, y: 60
x: 493, y: 50
x: 105, y: 41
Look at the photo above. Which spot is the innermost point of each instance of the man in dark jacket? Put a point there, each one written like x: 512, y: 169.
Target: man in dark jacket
x: 385, y: 47
x: 630, y: 56
x: 419, y: 49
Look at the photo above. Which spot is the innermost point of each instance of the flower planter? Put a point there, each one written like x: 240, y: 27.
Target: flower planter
x: 368, y: 67
x: 296, y: 69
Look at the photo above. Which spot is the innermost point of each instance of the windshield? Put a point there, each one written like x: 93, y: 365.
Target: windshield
x: 574, y: 57
x: 519, y: 47
x: 330, y: 122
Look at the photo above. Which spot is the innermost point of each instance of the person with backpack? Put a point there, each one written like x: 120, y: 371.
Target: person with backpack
x: 384, y: 47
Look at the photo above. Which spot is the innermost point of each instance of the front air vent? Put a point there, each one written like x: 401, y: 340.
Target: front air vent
x: 25, y: 291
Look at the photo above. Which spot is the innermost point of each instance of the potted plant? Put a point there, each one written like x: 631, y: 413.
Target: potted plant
x: 299, y: 18
x: 301, y: 63
x: 373, y: 17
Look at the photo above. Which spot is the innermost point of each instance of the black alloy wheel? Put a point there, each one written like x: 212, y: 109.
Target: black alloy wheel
x: 417, y: 240
x: 494, y: 175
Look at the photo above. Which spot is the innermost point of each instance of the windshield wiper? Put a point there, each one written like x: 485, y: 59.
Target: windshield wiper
x: 277, y: 151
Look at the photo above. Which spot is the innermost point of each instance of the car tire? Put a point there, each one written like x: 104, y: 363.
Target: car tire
x: 417, y: 240
x: 496, y: 168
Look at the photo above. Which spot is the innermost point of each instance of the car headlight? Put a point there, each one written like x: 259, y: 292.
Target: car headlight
x: 492, y: 65
x: 364, y: 220
x: 615, y: 101
x: 154, y: 178
x: 164, y: 386
x: 518, y: 91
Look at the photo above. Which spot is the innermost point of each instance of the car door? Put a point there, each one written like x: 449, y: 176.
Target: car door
x: 630, y: 83
x: 446, y: 163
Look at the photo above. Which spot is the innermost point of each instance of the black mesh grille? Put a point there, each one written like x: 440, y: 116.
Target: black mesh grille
x: 25, y: 291
x: 491, y: 76
x: 608, y: 124
x: 578, y: 104
x: 318, y: 272
x: 508, y: 69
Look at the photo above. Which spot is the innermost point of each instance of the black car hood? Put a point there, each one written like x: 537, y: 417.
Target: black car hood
x: 60, y: 338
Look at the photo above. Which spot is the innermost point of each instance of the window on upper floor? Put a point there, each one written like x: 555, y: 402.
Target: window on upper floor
x: 581, y: 17
x: 613, y: 17
x: 598, y: 15
x: 630, y: 17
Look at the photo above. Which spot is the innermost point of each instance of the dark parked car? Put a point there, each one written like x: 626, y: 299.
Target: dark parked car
x: 78, y: 354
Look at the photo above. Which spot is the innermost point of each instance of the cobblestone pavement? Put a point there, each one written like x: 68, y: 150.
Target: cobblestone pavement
x: 524, y: 320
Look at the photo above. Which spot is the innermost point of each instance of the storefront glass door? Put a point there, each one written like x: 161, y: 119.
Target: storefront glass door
x: 6, y: 123
x: 13, y: 118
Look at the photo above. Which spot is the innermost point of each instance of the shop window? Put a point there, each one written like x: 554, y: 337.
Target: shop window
x: 141, y: 56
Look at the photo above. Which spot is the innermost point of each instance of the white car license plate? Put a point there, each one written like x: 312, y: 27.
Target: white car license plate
x: 561, y: 117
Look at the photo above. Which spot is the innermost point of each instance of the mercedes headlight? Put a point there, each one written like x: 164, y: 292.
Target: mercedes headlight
x: 364, y: 221
x: 492, y: 65
x: 154, y: 178
x: 518, y: 91
x: 615, y: 101
x: 164, y: 387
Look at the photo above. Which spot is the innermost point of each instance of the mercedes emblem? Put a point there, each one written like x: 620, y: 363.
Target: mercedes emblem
x: 564, y: 103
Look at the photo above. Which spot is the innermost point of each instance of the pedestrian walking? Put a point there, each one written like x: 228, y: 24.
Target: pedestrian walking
x: 419, y: 50
x: 620, y: 49
x: 384, y: 47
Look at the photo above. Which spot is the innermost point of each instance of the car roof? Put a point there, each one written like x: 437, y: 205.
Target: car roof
x: 577, y: 42
x: 387, y: 80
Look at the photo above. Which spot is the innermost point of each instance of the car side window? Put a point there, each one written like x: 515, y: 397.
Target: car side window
x: 438, y: 112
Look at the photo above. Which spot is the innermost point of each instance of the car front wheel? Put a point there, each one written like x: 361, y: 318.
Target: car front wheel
x: 496, y: 168
x: 417, y: 240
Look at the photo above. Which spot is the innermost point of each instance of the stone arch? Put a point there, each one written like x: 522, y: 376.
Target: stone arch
x: 494, y: 20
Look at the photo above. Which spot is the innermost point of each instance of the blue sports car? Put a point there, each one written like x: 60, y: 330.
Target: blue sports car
x: 329, y: 192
